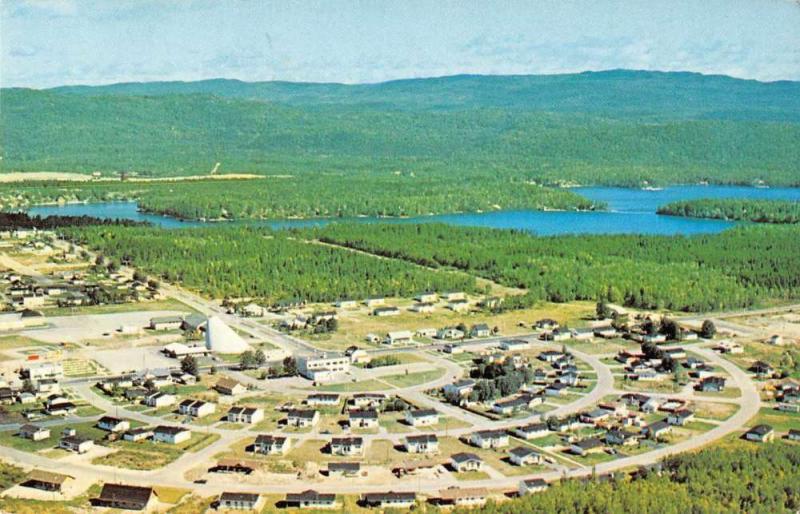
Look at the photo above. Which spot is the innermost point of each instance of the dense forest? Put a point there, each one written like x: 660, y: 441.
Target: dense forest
x: 19, y: 220
x: 759, y: 211
x: 699, y: 273
x: 587, y: 129
x: 258, y: 263
x: 308, y: 196
x: 751, y: 480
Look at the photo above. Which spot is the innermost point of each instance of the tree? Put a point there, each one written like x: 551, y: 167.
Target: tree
x: 150, y: 385
x: 28, y: 387
x: 260, y: 358
x: 247, y: 360
x: 679, y: 375
x: 602, y: 310
x: 708, y: 330
x: 290, y: 366
x: 189, y: 365
x: 670, y: 328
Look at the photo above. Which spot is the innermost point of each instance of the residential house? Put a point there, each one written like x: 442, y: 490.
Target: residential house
x: 449, y: 333
x: 587, y: 446
x: 347, y: 446
x: 386, y: 311
x: 451, y: 348
x: 302, y: 418
x: 322, y: 399
x: 521, y: 402
x: 622, y: 438
x: 480, y: 330
x: 229, y: 387
x: 760, y: 434
x: 113, y: 424
x: 462, y: 462
x: 556, y: 389
x: 428, y: 333
x: 489, y: 439
x: 368, y: 400
x: 531, y: 486
x: 762, y: 369
x: 138, y: 434
x: 367, y: 418
x: 421, y: 417
x: 399, y: 337
x: 390, y: 500
x: 272, y: 444
x: 463, y: 497
x: 658, y: 429
x: 458, y: 305
x: 425, y: 443
x: 45, y: 480
x: 166, y: 323
x: 375, y: 301
x: 344, y: 469
x: 346, y: 304
x: 239, y: 501
x: 680, y: 417
x: 126, y: 497
x: 171, y: 434
x: 33, y: 432
x: 160, y: 399
x: 196, y: 408
x: 245, y: 415
x: 423, y: 308
x: 793, y: 435
x: 459, y: 388
x: 525, y: 456
x: 531, y: 431
x: 76, y: 444
x: 427, y: 297
x: 514, y: 345
x: 311, y: 499
x: 547, y: 324
x: 550, y: 356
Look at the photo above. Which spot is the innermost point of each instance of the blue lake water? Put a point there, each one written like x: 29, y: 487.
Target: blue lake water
x: 630, y: 211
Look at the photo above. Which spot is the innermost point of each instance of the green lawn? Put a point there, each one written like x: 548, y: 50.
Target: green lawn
x: 410, y: 379
x: 349, y: 387
x: 161, y: 305
x: 780, y: 421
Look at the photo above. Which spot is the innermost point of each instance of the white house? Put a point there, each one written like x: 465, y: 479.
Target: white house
x: 272, y: 445
x: 171, y: 435
x: 421, y: 417
x: 113, y: 424
x: 525, y: 456
x: 347, y: 446
x: 367, y: 418
x: 399, y: 337
x: 302, y: 418
x: 531, y: 486
x: 160, y: 399
x: 196, y: 408
x: 489, y: 439
x: 246, y: 415
x: 425, y: 443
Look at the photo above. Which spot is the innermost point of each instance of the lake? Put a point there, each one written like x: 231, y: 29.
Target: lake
x: 631, y: 211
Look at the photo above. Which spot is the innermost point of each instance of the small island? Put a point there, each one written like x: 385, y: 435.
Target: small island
x: 736, y: 209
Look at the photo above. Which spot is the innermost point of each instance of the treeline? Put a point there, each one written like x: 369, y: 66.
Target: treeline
x: 310, y: 196
x: 696, y: 273
x: 20, y: 220
x: 759, y: 211
x: 258, y: 263
x: 187, y: 134
x: 754, y: 480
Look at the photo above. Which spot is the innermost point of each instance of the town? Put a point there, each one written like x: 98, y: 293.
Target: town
x: 120, y: 390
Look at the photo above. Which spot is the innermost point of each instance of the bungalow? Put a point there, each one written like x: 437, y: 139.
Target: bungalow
x: 540, y: 376
x: 582, y: 334
x: 322, y: 399
x: 606, y: 332
x: 421, y: 417
x: 138, y: 434
x: 531, y: 431
x: 76, y: 444
x: 423, y: 308
x: 399, y: 337
x: 271, y: 444
x: 634, y: 399
x: 367, y: 418
x: 135, y: 393
x: 454, y: 296
x: 45, y: 480
x: 113, y: 424
x: 654, y: 338
x: 128, y: 497
x: 513, y: 345
x: 558, y: 334
x: 196, y: 408
x: 229, y: 386
x: 390, y: 500
x: 449, y: 333
x: 680, y: 417
x: 245, y: 415
x: 302, y: 418
x: 570, y: 378
x: 370, y: 400
x: 793, y: 435
x: 489, y: 439
x: 386, y: 311
x: 357, y: 355
x: 524, y: 456
x: 428, y: 333
x: 658, y: 429
x: 427, y: 297
x: 33, y: 432
x: 480, y: 330
x: 524, y: 401
x: 651, y: 405
x: 311, y: 499
x: 463, y: 497
x: 347, y: 446
x: 622, y: 437
x: 458, y: 305
x: 556, y: 389
x: 62, y: 408
x: 375, y: 301
x: 232, y: 465
x: 344, y: 469
x: 459, y: 388
x: 760, y: 434
x: 426, y: 443
x: 346, y: 304
x: 171, y: 435
x: 531, y: 486
x: 160, y: 399
x: 675, y: 353
x: 596, y: 416
x: 762, y: 369
x: 166, y: 323
x: 239, y: 501
x: 550, y: 356
x: 587, y: 446
x: 462, y: 462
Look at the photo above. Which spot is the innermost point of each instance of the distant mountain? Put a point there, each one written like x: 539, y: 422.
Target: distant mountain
x: 617, y: 127
x: 617, y: 93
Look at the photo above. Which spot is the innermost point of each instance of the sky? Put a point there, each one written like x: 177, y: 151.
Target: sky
x: 46, y: 43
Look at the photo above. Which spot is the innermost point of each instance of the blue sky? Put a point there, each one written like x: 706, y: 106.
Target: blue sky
x: 53, y: 42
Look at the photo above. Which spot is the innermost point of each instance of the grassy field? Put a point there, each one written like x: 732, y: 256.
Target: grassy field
x: 78, y: 504
x: 19, y: 341
x: 780, y: 421
x: 656, y: 386
x: 349, y: 387
x: 716, y: 411
x: 411, y: 379
x: 10, y: 438
x: 148, y: 455
x: 728, y: 392
x: 159, y: 305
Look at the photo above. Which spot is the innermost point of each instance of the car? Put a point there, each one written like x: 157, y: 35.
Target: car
x: 611, y: 451
x: 201, y: 481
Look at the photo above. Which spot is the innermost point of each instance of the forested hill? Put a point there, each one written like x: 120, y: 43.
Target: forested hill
x: 613, y: 128
x: 618, y: 93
